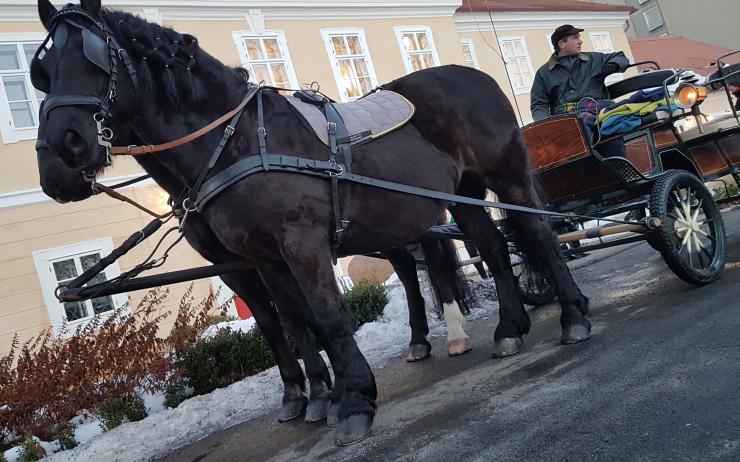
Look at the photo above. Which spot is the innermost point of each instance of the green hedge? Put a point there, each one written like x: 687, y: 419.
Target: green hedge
x: 231, y: 356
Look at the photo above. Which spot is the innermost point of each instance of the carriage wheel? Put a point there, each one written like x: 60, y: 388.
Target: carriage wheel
x: 536, y: 286
x: 692, y: 236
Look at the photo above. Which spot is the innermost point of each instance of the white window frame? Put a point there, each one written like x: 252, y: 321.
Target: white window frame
x: 400, y: 30
x: 548, y: 37
x: 9, y: 133
x: 471, y: 47
x: 524, y: 90
x: 647, y: 24
x: 643, y: 1
x: 43, y: 260
x: 604, y: 34
x: 326, y: 35
x: 239, y: 38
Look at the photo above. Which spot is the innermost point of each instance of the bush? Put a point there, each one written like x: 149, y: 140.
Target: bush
x: 175, y: 393
x: 65, y: 435
x: 110, y: 359
x: 113, y: 412
x: 31, y: 450
x: 224, y: 359
x: 2, y: 456
x: 365, y: 302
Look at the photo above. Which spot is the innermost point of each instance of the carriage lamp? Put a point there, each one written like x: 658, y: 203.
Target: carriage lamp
x: 689, y: 95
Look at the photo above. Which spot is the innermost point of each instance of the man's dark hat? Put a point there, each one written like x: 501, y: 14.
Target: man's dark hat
x: 562, y: 32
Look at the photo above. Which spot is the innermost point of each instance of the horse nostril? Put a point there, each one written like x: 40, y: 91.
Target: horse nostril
x: 74, y: 142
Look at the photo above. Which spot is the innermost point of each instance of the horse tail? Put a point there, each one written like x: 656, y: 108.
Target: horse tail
x: 447, y: 266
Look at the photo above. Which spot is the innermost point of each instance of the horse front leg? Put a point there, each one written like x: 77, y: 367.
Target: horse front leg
x: 308, y: 258
x: 405, y: 266
x: 248, y: 285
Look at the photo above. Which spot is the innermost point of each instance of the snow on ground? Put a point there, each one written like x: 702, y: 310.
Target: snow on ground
x: 167, y: 429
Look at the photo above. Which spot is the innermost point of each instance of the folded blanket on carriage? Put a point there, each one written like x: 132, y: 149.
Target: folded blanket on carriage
x: 587, y: 110
x: 629, y: 116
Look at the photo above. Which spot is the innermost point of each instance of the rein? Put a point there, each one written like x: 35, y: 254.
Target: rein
x: 134, y: 150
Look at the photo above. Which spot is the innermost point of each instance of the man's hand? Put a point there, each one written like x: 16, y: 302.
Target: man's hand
x: 610, y: 68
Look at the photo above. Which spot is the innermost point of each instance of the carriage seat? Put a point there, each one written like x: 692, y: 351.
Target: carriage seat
x: 367, y: 118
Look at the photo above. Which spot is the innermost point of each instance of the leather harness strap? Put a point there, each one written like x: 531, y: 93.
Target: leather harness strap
x: 152, y: 148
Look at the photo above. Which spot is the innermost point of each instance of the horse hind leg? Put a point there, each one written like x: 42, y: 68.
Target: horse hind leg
x: 447, y: 279
x: 537, y: 238
x: 514, y: 323
x: 249, y: 287
x: 404, y: 264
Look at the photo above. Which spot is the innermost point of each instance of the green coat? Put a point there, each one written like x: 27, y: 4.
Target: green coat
x: 554, y: 85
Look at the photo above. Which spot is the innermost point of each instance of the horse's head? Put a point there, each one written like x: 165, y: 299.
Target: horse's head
x: 58, y: 181
x: 79, y: 72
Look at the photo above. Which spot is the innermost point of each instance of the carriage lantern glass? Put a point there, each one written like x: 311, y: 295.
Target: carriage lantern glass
x: 689, y: 95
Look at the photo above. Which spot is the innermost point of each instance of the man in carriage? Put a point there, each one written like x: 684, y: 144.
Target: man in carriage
x: 572, y: 81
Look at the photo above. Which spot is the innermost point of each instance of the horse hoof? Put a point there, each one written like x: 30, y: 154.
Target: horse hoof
x: 332, y: 415
x: 292, y: 409
x: 355, y: 429
x: 458, y: 346
x: 418, y: 352
x: 507, y: 346
x: 575, y: 333
x: 316, y: 410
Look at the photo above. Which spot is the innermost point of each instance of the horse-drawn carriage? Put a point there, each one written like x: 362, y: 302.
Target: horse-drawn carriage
x: 662, y: 176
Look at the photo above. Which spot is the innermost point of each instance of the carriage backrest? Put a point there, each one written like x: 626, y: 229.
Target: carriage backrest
x: 556, y: 141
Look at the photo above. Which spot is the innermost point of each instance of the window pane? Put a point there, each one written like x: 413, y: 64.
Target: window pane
x: 423, y: 41
x: 22, y: 115
x: 340, y: 48
x: 653, y: 18
x: 102, y: 304
x: 428, y: 60
x: 254, y: 49
x: 9, y: 58
x: 15, y: 88
x: 272, y: 48
x: 509, y: 49
x: 361, y: 68
x: 467, y: 53
x: 355, y: 47
x: 65, y: 269
x: 409, y: 43
x: 88, y: 261
x: 366, y: 85
x: 417, y: 63
x: 261, y: 73
x: 29, y: 49
x: 279, y: 74
x: 75, y: 310
x: 519, y: 48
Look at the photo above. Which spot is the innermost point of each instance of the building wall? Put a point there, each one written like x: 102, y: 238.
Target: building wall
x: 715, y: 22
x: 48, y: 225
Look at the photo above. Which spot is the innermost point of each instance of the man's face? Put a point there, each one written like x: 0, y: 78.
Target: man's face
x: 570, y: 45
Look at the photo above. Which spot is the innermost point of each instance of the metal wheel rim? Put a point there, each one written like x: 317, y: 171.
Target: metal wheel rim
x: 694, y: 236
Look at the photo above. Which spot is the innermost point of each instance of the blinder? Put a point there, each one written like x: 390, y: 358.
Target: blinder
x: 94, y: 47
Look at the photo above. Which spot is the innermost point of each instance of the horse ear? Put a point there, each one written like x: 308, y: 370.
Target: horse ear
x: 91, y: 6
x: 46, y: 12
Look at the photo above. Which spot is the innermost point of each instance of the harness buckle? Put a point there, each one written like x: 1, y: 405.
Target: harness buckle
x: 229, y: 131
x: 339, y: 171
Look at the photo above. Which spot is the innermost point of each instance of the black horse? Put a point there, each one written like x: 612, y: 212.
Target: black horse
x: 463, y: 139
x: 64, y: 184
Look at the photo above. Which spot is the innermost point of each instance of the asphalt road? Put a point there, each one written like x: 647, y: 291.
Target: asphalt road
x: 659, y: 380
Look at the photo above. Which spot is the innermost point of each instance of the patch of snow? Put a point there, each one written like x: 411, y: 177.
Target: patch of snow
x: 240, y: 325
